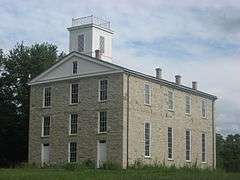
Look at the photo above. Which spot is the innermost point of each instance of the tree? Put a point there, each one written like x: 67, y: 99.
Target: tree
x: 21, y: 64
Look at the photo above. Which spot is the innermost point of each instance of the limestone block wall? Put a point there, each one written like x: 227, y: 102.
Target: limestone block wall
x: 87, y: 110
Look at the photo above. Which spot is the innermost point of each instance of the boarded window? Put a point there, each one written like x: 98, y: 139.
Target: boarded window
x: 102, y: 44
x: 81, y: 43
x: 147, y: 94
x: 188, y: 105
x: 204, y: 108
x: 170, y: 100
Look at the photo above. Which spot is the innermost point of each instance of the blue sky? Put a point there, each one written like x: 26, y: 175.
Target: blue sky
x: 198, y: 40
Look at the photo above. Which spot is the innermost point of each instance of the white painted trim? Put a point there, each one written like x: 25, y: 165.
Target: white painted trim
x: 150, y: 138
x: 70, y: 55
x: 42, y: 134
x: 190, y: 140
x: 170, y: 159
x: 69, y: 124
x: 70, y: 95
x: 99, y: 86
x: 173, y: 100
x: 43, y: 97
x: 76, y: 76
x: 150, y: 94
x: 99, y: 122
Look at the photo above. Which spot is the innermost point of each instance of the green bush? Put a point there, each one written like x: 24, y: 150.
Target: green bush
x: 110, y: 165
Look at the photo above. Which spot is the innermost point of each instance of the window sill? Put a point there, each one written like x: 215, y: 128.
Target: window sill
x: 73, y: 104
x: 170, y: 159
x: 204, y: 117
x: 72, y: 134
x: 147, y: 104
x: 188, y: 161
x: 188, y: 114
x: 147, y: 157
x: 171, y: 110
x: 46, y: 107
x: 45, y: 136
x: 102, y: 101
x: 102, y: 132
x: 204, y: 162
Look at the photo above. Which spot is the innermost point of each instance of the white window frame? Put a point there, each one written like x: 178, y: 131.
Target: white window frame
x: 69, y: 153
x: 190, y: 105
x: 43, y: 119
x: 99, y: 132
x: 99, y: 90
x: 170, y: 159
x: 70, y: 100
x: 43, y: 105
x: 173, y: 100
x: 78, y: 48
x: 150, y: 94
x: 190, y: 145
x: 205, y: 103
x: 73, y: 69
x: 70, y: 124
x: 205, y: 152
x: 150, y: 143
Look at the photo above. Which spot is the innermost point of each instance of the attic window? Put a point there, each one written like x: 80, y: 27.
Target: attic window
x: 74, y: 67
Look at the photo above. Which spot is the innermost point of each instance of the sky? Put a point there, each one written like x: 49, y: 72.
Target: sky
x: 200, y: 40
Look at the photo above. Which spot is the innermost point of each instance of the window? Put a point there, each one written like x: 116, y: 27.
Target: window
x: 47, y: 97
x: 204, y: 109
x: 147, y: 94
x: 170, y: 100
x: 103, y: 85
x: 73, y: 124
x: 170, y: 143
x: 72, y: 156
x: 203, y: 147
x: 81, y: 43
x: 102, y: 121
x: 188, y: 105
x: 75, y: 67
x: 147, y: 136
x: 74, y: 93
x: 46, y: 126
x: 188, y: 145
x: 102, y: 44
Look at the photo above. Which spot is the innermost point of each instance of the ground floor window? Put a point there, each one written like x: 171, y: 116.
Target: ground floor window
x: 203, y: 147
x: 72, y: 152
x: 188, y: 145
x: 147, y: 134
x: 170, y: 143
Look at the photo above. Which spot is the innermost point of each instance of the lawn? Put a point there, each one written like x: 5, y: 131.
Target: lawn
x: 130, y: 174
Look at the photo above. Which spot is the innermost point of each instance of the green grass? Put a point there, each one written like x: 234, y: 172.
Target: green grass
x: 130, y: 174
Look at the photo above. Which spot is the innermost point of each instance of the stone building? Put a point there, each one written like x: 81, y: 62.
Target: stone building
x: 87, y: 108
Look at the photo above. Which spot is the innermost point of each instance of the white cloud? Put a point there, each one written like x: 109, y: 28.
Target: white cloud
x: 207, y: 30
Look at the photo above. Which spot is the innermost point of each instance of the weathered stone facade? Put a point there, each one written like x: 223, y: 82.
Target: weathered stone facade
x: 87, y: 110
x: 126, y: 116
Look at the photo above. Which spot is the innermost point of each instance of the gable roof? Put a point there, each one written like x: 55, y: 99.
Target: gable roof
x: 116, y: 69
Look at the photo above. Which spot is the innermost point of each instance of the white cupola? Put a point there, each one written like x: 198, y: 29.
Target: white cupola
x: 89, y: 34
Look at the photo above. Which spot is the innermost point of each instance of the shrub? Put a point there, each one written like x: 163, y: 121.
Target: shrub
x: 110, y: 165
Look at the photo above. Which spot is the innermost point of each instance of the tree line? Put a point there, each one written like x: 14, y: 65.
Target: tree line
x: 17, y: 68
